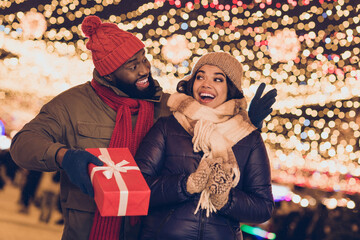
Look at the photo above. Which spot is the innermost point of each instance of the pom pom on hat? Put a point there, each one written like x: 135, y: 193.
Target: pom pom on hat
x: 110, y: 46
x: 90, y: 25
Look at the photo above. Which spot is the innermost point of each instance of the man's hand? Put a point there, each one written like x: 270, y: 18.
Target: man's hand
x: 260, y: 107
x: 75, y: 163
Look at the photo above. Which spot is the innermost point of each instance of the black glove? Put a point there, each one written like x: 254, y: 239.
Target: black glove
x: 75, y: 163
x: 260, y: 107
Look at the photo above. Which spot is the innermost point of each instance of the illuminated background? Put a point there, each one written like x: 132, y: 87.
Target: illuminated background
x: 307, y: 50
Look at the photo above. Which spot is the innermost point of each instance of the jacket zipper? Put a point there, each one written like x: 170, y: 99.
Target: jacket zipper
x: 202, y: 222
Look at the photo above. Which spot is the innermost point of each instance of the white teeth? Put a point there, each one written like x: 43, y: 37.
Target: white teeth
x: 206, y: 95
x: 143, y: 81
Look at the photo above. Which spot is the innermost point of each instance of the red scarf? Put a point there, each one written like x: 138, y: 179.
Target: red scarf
x: 108, y: 228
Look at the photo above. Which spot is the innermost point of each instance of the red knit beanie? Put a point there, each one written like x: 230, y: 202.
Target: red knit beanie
x: 111, y: 47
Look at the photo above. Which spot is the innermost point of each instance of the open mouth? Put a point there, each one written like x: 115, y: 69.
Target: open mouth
x: 143, y: 83
x: 206, y: 97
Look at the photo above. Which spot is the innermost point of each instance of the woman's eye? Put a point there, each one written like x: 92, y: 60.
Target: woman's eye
x: 218, y: 79
x: 199, y: 77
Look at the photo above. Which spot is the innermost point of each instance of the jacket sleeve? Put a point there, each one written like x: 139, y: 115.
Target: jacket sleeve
x: 35, y: 146
x: 254, y: 202
x: 150, y: 157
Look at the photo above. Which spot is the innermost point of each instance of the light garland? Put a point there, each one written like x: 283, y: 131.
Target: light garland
x: 33, y: 25
x: 34, y: 76
x: 284, y: 46
x: 176, y: 49
x: 313, y: 134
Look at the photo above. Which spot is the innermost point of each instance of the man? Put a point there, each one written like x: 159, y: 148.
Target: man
x: 115, y: 109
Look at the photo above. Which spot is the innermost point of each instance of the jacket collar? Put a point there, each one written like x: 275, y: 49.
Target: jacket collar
x: 156, y: 98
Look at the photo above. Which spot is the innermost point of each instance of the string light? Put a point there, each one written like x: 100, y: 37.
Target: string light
x: 33, y: 25
x: 313, y: 133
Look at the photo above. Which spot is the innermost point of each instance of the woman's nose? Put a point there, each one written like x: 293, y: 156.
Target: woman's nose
x: 206, y: 83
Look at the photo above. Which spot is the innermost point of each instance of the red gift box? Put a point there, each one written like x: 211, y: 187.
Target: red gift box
x: 119, y: 187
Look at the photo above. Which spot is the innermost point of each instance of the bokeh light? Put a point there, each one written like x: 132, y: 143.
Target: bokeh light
x: 307, y: 50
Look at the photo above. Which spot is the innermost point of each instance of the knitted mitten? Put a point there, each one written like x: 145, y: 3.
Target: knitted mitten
x: 219, y: 185
x: 219, y: 200
x: 198, y: 179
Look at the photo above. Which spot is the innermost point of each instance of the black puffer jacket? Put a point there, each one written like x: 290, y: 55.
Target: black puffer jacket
x: 166, y: 158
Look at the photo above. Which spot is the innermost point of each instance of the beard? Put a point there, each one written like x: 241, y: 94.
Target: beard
x: 133, y: 92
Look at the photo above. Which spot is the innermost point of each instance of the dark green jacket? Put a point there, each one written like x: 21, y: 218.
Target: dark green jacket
x: 77, y: 119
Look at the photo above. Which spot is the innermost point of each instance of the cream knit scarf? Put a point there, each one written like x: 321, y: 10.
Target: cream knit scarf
x: 214, y: 131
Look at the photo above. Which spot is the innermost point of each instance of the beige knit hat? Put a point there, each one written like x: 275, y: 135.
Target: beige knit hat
x: 226, y: 62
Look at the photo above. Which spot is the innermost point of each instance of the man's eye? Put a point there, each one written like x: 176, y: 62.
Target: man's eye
x: 132, y: 68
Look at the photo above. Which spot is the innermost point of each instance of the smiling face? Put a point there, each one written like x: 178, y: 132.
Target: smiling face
x: 210, y: 87
x: 134, y: 77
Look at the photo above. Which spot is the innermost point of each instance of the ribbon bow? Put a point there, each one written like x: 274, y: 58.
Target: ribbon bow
x: 111, y: 168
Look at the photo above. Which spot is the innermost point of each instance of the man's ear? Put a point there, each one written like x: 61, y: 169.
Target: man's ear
x: 109, y: 78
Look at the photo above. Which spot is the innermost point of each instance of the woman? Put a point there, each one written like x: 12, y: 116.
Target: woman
x: 206, y: 165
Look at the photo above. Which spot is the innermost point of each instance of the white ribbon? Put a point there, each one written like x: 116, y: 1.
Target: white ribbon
x: 113, y: 170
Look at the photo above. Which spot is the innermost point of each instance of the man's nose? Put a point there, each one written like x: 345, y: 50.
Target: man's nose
x: 144, y: 69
